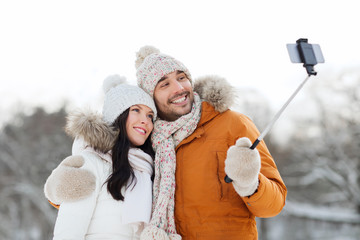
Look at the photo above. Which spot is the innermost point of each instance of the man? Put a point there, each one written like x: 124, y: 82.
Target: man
x: 197, y: 142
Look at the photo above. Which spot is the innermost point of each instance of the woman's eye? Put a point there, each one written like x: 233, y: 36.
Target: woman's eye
x: 135, y: 110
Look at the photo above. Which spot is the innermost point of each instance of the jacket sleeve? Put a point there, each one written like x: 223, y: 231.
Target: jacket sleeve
x: 74, y: 218
x: 269, y: 199
x: 75, y: 214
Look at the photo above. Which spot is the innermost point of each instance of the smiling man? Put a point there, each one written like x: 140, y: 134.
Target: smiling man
x: 173, y: 96
x: 198, y: 140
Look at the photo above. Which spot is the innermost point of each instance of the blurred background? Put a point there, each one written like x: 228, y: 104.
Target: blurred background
x: 54, y: 56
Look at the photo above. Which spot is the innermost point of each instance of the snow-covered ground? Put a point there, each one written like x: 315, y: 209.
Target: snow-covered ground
x: 305, y: 221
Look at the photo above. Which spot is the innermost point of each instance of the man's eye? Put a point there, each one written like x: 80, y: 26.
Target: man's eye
x: 164, y: 84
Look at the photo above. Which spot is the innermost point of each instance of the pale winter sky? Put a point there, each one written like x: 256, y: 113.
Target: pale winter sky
x: 56, y: 50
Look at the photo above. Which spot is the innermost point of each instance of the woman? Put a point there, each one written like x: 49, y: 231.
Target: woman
x: 104, y: 190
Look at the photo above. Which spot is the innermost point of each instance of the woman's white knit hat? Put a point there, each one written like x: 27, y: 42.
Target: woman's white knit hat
x: 119, y: 96
x: 151, y: 66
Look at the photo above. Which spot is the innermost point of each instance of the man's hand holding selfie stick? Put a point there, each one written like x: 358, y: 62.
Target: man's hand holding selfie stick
x: 242, y: 164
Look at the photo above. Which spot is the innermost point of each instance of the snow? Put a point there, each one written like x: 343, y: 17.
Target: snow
x: 322, y: 213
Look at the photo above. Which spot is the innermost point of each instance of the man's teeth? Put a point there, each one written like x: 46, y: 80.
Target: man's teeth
x: 179, y: 100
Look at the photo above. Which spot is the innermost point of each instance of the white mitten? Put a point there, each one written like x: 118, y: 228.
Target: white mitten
x: 69, y: 181
x: 242, y: 165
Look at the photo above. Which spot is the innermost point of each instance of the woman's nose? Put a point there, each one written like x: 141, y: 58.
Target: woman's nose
x: 145, y: 119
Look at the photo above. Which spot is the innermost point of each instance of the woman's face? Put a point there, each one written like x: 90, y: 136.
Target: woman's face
x: 139, y: 124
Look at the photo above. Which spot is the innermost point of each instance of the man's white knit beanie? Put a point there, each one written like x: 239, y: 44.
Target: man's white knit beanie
x: 151, y: 66
x: 119, y: 96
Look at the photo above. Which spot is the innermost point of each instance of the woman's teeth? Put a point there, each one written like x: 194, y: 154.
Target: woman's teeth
x: 140, y: 130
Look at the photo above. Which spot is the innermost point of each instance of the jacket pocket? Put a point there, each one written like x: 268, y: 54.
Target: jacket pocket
x: 221, y: 174
x: 227, y: 191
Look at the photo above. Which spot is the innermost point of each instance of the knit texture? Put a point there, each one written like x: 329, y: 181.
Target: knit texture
x: 165, y: 137
x: 152, y: 66
x: 119, y: 96
x: 243, y: 165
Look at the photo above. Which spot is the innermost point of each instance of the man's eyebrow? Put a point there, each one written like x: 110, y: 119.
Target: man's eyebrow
x: 162, y: 79
x: 165, y: 76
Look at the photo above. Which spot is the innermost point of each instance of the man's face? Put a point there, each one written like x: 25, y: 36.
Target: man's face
x: 173, y: 96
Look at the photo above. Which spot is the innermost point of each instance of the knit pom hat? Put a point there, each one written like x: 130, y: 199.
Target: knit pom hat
x: 119, y: 96
x: 151, y: 66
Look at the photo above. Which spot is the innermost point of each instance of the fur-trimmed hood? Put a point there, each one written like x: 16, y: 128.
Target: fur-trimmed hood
x: 92, y: 128
x: 215, y: 90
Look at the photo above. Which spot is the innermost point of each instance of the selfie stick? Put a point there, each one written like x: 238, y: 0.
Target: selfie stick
x: 307, y: 57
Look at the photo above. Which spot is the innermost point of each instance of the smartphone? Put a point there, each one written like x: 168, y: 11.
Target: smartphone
x: 295, y: 55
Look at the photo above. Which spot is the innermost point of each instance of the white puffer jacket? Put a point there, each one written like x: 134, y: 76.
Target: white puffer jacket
x: 87, y: 210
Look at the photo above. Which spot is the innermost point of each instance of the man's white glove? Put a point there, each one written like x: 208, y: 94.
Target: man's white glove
x: 242, y: 165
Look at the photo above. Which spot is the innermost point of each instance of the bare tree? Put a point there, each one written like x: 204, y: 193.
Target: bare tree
x: 323, y: 160
x: 251, y: 103
x: 30, y: 147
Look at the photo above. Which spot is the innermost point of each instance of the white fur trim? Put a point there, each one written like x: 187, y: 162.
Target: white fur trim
x: 92, y: 128
x: 215, y: 90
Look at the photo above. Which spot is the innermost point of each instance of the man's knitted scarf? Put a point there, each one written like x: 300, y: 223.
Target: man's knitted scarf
x: 165, y: 137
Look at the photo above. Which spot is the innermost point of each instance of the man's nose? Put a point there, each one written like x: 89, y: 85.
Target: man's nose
x: 178, y: 87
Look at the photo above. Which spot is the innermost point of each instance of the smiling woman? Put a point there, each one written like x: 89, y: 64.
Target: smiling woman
x: 104, y: 190
x: 139, y: 124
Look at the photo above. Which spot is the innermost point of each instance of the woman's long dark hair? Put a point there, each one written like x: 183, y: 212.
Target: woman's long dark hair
x: 122, y: 171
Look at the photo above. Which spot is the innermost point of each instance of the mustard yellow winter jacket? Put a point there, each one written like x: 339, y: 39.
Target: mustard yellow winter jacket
x: 206, y: 207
